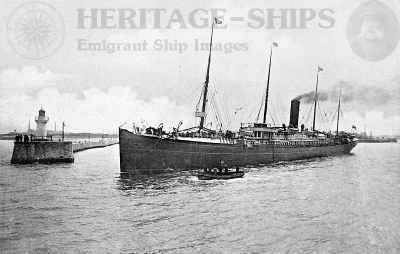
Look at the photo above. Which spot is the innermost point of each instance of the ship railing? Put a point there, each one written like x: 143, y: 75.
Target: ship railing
x: 298, y: 142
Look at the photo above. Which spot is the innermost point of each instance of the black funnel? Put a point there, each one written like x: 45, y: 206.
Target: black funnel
x: 294, y: 113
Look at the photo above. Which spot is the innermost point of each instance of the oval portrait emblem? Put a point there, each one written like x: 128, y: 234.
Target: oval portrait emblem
x: 35, y: 30
x: 373, y: 31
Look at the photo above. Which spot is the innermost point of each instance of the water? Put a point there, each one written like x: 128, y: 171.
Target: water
x: 346, y: 204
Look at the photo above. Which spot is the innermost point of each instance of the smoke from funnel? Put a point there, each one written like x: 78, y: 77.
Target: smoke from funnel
x: 359, y: 98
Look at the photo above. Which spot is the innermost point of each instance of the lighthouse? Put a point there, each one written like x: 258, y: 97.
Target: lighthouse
x: 40, y: 148
x: 41, y: 121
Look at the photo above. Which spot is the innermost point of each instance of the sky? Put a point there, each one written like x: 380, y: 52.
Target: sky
x: 99, y: 90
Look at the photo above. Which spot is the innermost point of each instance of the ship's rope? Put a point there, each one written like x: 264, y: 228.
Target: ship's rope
x: 306, y: 117
x: 226, y: 113
x: 277, y: 107
x: 272, y: 118
x: 273, y: 113
x: 320, y: 117
x: 227, y: 110
x: 217, y: 113
x: 238, y: 110
x: 216, y: 110
x: 252, y: 113
x: 261, y: 106
x: 331, y: 118
x: 200, y: 98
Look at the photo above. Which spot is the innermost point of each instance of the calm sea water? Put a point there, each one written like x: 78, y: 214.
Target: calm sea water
x: 346, y: 204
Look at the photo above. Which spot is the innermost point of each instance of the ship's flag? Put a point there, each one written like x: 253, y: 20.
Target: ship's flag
x: 217, y: 21
x: 275, y: 44
x: 320, y: 69
x: 354, y: 127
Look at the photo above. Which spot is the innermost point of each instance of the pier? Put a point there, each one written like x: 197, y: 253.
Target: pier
x: 86, y: 145
x: 42, y: 152
x: 38, y: 146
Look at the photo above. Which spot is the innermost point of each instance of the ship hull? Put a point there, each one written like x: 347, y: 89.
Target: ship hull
x: 145, y: 154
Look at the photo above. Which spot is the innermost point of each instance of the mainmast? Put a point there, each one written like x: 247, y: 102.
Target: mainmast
x: 274, y: 44
x: 316, y: 98
x: 338, y: 113
x: 203, y: 107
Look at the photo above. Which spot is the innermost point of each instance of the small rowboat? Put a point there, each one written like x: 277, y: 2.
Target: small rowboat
x: 219, y: 175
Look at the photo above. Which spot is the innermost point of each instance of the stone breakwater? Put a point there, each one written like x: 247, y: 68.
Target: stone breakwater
x: 82, y: 146
x: 42, y: 152
x: 52, y: 151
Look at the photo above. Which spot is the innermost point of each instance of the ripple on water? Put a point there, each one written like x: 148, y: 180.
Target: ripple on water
x: 345, y: 204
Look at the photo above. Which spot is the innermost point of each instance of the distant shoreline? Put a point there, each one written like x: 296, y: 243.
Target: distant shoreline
x: 79, y: 135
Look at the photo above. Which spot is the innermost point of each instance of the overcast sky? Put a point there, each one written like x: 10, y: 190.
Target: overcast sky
x: 98, y: 91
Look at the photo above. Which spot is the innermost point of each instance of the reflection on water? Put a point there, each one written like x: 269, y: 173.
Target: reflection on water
x: 345, y: 204
x: 157, y: 183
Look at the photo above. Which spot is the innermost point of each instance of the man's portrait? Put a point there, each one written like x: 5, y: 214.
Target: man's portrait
x: 373, y: 31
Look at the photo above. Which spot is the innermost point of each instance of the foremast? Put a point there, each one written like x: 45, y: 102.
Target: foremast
x: 202, y: 113
x: 274, y: 44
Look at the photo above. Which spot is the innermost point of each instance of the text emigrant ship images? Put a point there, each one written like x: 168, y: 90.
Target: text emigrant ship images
x: 152, y: 149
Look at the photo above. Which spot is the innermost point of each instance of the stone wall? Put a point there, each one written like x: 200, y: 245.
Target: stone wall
x: 42, y: 152
x: 82, y: 146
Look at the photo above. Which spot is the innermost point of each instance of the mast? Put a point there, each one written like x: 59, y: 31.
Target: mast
x: 316, y: 98
x: 62, y: 135
x: 203, y: 107
x: 274, y: 44
x: 338, y: 113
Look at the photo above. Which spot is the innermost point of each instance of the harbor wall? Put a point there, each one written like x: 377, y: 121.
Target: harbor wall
x: 42, y: 152
x: 78, y: 147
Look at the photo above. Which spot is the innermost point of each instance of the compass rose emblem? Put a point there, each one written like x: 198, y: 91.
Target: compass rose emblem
x: 35, y: 30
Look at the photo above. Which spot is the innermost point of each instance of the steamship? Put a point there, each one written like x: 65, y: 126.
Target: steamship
x: 257, y: 143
